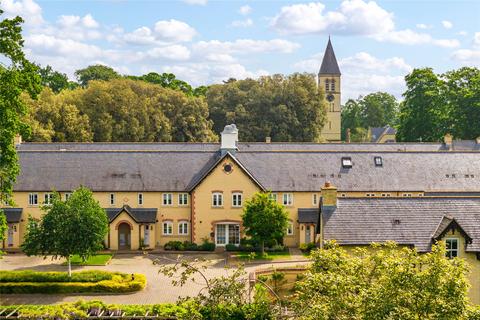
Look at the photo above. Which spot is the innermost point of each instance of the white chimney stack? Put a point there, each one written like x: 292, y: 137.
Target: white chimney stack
x: 229, y: 138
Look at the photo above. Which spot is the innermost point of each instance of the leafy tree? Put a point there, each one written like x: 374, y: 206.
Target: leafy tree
x: 374, y: 110
x: 17, y: 75
x: 264, y: 219
x: 463, y: 97
x: 382, y: 282
x: 95, y: 72
x: 3, y: 226
x: 285, y: 108
x: 55, y: 80
x: 75, y: 226
x: 423, y: 113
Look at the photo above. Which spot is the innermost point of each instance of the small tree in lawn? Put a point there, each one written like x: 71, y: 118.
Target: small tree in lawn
x: 264, y: 219
x: 75, y: 226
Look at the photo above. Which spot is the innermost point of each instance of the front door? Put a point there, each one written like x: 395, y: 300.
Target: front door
x: 308, y: 236
x: 227, y: 234
x: 10, y: 236
x: 146, y: 238
x: 124, y: 236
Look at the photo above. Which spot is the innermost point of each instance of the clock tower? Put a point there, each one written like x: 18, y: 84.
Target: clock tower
x: 329, y: 82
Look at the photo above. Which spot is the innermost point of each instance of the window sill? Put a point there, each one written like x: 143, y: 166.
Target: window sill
x: 236, y: 207
x: 219, y: 207
x: 167, y: 235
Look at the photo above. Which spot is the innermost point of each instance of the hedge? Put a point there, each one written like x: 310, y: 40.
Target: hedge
x: 189, y: 246
x: 55, y: 282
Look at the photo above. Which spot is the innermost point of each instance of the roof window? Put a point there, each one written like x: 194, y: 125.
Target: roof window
x: 378, y: 161
x: 347, y: 162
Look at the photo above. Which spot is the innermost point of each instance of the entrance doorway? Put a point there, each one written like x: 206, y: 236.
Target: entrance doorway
x: 124, y: 236
x: 308, y: 235
x: 227, y: 234
x: 10, y: 236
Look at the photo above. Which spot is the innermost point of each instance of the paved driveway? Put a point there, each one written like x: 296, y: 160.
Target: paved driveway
x: 158, y: 290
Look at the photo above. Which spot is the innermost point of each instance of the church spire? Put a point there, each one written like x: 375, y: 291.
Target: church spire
x: 329, y: 63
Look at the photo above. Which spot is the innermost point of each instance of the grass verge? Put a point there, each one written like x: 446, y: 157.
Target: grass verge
x: 96, y: 260
x: 267, y: 256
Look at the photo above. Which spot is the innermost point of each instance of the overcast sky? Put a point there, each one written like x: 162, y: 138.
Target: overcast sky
x: 204, y: 41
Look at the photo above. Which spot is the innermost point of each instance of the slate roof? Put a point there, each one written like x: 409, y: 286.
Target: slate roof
x: 13, y: 215
x: 277, y: 167
x: 140, y: 215
x: 329, y: 62
x: 408, y: 221
x: 308, y: 215
x: 378, y: 132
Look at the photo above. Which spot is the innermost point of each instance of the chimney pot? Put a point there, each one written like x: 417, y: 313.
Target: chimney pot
x: 268, y: 139
x: 229, y: 138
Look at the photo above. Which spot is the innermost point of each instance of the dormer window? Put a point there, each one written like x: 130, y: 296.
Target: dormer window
x: 347, y: 162
x: 378, y: 161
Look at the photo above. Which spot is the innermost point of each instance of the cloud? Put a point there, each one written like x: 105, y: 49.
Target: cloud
x: 423, y: 26
x: 173, y: 52
x: 244, y: 10
x: 467, y: 57
x: 49, y: 45
x: 353, y: 17
x: 174, y: 31
x: 447, y: 24
x: 462, y: 33
x: 242, y: 23
x: 196, y: 2
x: 364, y: 73
x: 245, y: 46
x: 29, y: 10
x: 476, y: 39
x: 140, y: 36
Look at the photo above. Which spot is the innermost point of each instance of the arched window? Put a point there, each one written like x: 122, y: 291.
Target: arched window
x: 327, y: 82
x: 332, y: 85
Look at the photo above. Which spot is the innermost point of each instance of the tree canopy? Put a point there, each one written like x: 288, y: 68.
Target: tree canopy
x: 16, y: 76
x: 373, y: 110
x: 285, y: 108
x: 382, y: 282
x: 436, y: 104
x: 95, y: 72
x: 75, y: 226
x: 264, y: 219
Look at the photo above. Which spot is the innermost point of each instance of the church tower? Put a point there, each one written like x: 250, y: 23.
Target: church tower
x: 329, y: 81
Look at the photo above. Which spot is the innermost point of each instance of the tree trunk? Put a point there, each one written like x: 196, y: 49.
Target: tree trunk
x: 69, y: 262
x: 262, y: 247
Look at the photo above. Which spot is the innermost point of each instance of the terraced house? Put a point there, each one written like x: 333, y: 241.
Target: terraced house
x: 412, y: 193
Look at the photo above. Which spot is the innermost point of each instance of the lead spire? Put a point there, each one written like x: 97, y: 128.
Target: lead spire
x: 329, y: 63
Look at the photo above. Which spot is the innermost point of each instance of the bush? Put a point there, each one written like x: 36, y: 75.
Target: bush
x: 276, y: 248
x: 113, y: 282
x: 307, y: 247
x: 189, y: 246
x: 473, y: 313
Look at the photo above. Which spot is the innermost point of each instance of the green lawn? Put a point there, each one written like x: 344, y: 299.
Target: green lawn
x: 268, y: 256
x: 96, y: 260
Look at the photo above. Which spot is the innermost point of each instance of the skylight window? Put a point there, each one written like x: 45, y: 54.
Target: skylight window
x: 378, y: 161
x: 347, y: 162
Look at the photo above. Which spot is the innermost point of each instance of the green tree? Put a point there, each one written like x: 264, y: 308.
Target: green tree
x: 95, y: 72
x: 285, y: 108
x: 351, y: 119
x: 264, y: 219
x: 382, y: 282
x: 17, y: 75
x: 55, y: 80
x: 75, y: 226
x: 463, y: 97
x: 424, y: 111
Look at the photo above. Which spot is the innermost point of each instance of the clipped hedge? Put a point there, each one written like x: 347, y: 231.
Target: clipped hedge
x: 189, y: 246
x: 81, y: 282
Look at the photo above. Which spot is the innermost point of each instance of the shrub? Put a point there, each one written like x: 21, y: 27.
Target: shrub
x: 116, y: 283
x: 276, y: 248
x: 207, y: 245
x: 307, y: 247
x: 36, y: 276
x: 473, y: 313
x: 189, y: 246
x: 173, y: 245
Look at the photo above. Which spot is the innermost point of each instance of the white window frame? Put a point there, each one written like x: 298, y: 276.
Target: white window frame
x: 48, y: 199
x: 183, y: 227
x: 169, y: 230
x: 287, y: 199
x: 31, y: 198
x: 315, y: 199
x: 378, y: 161
x: 347, y: 162
x: 450, y: 251
x: 167, y: 199
x: 112, y: 199
x: 140, y: 199
x: 217, y: 199
x: 407, y: 195
x: 237, y: 199
x: 290, y: 231
x: 183, y: 199
x: 67, y: 195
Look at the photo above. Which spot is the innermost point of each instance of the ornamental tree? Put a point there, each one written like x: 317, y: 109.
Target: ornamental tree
x: 264, y: 219
x: 75, y: 226
x: 382, y: 282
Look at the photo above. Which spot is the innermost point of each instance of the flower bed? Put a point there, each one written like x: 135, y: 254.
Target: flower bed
x: 80, y: 282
